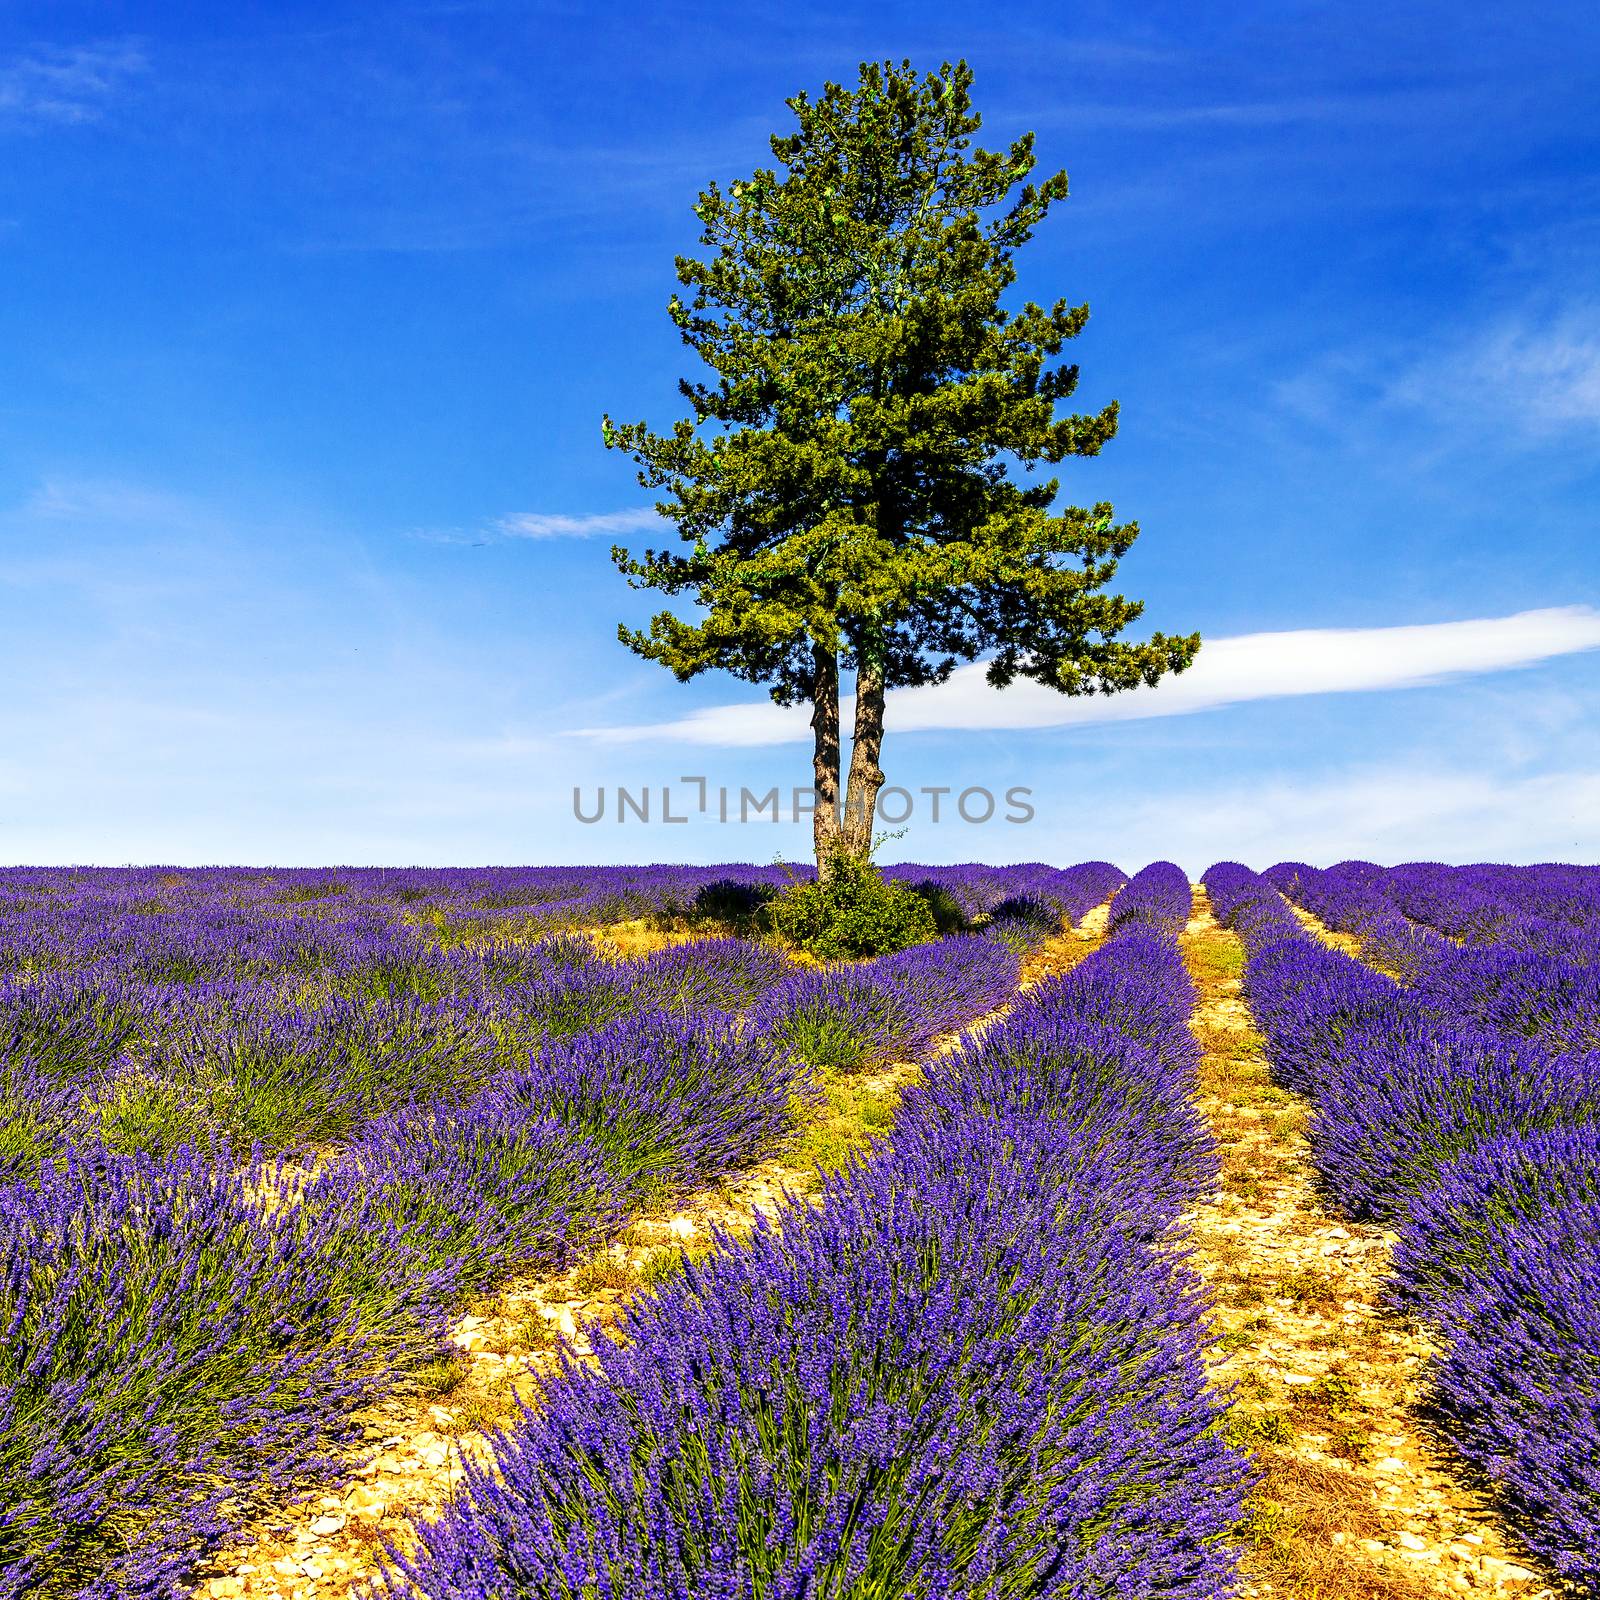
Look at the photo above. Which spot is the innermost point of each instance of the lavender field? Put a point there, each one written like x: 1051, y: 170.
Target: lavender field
x: 1009, y: 1315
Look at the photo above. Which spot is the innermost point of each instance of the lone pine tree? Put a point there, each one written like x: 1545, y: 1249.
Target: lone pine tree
x: 842, y: 485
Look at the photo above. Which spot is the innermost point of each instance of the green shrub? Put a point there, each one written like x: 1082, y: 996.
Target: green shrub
x: 851, y: 911
x: 948, y: 917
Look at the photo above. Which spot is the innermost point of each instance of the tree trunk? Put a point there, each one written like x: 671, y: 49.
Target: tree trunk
x: 866, y: 776
x: 825, y: 751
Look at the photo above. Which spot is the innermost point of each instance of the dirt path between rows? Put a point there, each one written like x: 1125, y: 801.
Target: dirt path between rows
x: 1355, y: 1500
x: 328, y: 1544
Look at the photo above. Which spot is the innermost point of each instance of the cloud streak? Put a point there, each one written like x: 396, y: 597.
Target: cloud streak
x: 1231, y: 671
x: 1527, y: 379
x: 1263, y: 113
x: 66, y: 85
x: 1544, y: 374
x: 1401, y: 812
x: 594, y: 525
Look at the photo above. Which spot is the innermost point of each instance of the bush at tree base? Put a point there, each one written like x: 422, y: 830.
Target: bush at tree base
x: 851, y: 911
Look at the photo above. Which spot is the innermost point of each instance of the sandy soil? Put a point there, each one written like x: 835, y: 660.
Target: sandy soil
x: 324, y: 1546
x: 1355, y: 1500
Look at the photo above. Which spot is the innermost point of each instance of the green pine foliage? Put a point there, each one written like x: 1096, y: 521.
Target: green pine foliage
x: 842, y: 486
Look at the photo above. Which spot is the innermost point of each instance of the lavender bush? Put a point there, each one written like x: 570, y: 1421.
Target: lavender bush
x: 712, y: 974
x: 477, y: 1193
x: 1518, y: 1384
x: 171, y: 1343
x: 974, y: 1370
x: 1517, y: 992
x: 941, y: 1383
x: 838, y: 1019
x: 668, y: 1098
x: 1394, y: 1107
x: 1453, y: 1105
x: 287, y: 1078
x: 566, y: 1000
x: 848, y: 1017
x: 1103, y: 1050
x: 1156, y: 897
x: 1023, y: 921
x: 1247, y: 903
x: 948, y: 983
x: 1484, y: 1197
x: 72, y: 1027
x: 40, y: 1118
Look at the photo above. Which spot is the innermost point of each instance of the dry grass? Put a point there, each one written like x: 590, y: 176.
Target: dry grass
x: 1307, y: 1523
x: 853, y: 1113
x: 604, y: 1272
x: 440, y: 1376
x: 640, y: 937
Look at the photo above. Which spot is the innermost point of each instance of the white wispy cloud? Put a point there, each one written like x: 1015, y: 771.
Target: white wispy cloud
x: 66, y: 85
x: 592, y: 525
x: 1523, y: 378
x: 1540, y: 374
x: 1230, y: 671
x: 106, y: 501
x: 1262, y: 113
x: 1388, y: 813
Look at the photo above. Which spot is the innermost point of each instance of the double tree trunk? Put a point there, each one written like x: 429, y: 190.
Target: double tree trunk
x: 825, y: 751
x: 866, y: 776
x: 850, y: 827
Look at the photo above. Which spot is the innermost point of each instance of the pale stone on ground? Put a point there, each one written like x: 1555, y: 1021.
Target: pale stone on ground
x: 1328, y: 1378
x: 334, y: 1542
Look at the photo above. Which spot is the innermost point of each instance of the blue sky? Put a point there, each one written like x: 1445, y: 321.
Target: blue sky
x: 311, y: 313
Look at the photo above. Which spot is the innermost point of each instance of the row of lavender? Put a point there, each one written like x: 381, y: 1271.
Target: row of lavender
x: 250, y: 1069
x: 976, y: 1369
x: 1491, y: 962
x: 229, y: 922
x: 227, y: 1018
x: 193, y: 1322
x: 1472, y: 1127
x: 1547, y: 910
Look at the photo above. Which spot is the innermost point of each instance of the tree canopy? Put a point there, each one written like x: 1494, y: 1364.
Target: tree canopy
x: 846, y: 485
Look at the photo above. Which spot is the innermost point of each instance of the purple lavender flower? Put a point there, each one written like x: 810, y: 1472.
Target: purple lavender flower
x: 711, y: 974
x: 284, y: 1078
x: 1157, y: 897
x: 854, y: 1015
x: 40, y: 1119
x: 1105, y: 1050
x: 983, y: 1351
x: 1481, y: 1200
x: 1397, y: 1105
x: 975, y: 1369
x: 170, y: 1341
x: 837, y: 1019
x: 478, y: 1192
x: 951, y: 1379
x: 669, y: 1098
x: 1249, y: 905
x: 1518, y: 1388
x: 71, y: 1026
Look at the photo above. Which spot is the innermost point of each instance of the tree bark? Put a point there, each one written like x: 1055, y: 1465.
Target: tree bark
x: 866, y: 776
x: 825, y: 751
